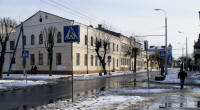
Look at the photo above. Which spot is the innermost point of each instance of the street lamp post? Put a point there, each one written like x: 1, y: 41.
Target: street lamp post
x: 186, y: 50
x: 166, y: 48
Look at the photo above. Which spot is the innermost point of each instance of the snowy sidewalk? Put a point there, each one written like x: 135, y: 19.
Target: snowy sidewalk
x: 14, y: 81
x: 193, y: 78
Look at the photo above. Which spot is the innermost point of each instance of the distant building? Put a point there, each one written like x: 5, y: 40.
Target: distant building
x: 197, y: 51
x: 159, y: 49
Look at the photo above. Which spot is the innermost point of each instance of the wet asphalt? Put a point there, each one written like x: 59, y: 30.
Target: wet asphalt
x: 174, y: 99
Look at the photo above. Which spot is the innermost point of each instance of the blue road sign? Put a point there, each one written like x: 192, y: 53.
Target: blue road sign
x: 72, y: 33
x: 109, y: 58
x: 25, y: 53
x: 169, y: 56
x: 162, y: 53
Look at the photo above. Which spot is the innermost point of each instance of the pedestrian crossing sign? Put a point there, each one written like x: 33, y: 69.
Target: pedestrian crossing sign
x: 72, y: 33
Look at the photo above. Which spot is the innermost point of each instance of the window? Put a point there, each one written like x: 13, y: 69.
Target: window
x: 59, y: 37
x: 86, y: 40
x: 12, y: 45
x: 99, y: 63
x: 96, y: 40
x: 117, y: 48
x: 77, y: 58
x: 117, y: 63
x: 113, y: 46
x: 32, y: 39
x: 32, y: 59
x: 24, y: 40
x: 113, y: 62
x: 92, y: 60
x: 86, y: 59
x: 96, y: 60
x: 58, y: 58
x: 108, y: 46
x: 40, y: 59
x: 40, y: 39
x: 91, y: 41
x: 48, y: 60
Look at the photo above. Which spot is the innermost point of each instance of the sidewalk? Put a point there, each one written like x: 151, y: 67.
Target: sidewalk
x: 15, y: 81
x: 193, y: 78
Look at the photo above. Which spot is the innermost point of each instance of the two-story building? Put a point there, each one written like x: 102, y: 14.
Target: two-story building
x: 76, y: 57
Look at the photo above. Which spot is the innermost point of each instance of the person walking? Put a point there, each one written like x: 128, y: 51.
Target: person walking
x: 35, y: 69
x: 32, y: 70
x: 182, y: 75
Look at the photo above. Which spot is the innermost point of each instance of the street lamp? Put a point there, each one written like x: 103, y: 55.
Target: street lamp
x: 166, y: 48
x: 186, y: 49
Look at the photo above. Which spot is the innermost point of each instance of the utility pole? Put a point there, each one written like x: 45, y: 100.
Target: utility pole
x: 24, y: 59
x: 166, y: 48
x: 186, y: 52
x: 147, y: 60
x: 11, y: 62
x: 186, y: 55
x: 87, y: 50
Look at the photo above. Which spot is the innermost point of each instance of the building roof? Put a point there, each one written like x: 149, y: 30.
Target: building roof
x: 46, y: 13
x: 108, y: 31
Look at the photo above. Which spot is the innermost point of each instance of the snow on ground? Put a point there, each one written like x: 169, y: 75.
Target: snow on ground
x: 172, y: 77
x: 130, y: 91
x: 76, y: 76
x: 116, y: 99
x: 6, y: 84
x: 96, y: 75
x: 100, y: 101
x: 35, y: 76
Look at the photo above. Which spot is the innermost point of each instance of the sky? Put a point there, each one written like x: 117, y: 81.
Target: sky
x: 129, y: 17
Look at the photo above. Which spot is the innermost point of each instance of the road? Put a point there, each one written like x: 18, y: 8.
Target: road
x: 172, y: 99
x: 34, y: 96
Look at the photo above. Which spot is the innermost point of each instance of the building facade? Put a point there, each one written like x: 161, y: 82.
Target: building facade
x: 77, y: 57
x: 197, y: 52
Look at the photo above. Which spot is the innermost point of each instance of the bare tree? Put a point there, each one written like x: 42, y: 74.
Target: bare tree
x: 101, y: 53
x: 49, y: 35
x: 133, y: 51
x: 6, y: 28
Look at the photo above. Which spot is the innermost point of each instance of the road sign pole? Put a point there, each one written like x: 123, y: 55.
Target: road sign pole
x: 72, y: 74
x: 109, y: 66
x: 72, y: 34
x: 24, y: 59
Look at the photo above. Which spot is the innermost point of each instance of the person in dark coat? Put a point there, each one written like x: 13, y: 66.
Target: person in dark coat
x: 32, y: 70
x: 182, y: 75
x: 35, y: 69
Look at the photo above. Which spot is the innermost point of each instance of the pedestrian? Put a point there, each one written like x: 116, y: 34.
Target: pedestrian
x: 35, y: 69
x: 182, y: 75
x: 32, y: 70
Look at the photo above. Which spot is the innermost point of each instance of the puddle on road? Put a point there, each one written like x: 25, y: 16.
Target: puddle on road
x: 174, y: 101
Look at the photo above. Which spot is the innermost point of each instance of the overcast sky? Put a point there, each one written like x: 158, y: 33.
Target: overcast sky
x: 130, y: 17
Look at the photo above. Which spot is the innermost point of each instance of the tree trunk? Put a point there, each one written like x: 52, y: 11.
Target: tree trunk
x: 2, y: 59
x: 50, y: 62
x: 130, y: 63
x: 135, y: 57
x: 104, y: 68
